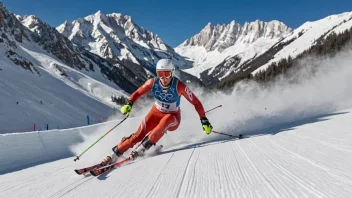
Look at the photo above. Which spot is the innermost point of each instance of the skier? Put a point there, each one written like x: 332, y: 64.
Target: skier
x: 165, y: 114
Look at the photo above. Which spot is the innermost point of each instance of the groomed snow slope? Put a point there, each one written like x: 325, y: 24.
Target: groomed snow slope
x: 22, y: 150
x: 310, y: 158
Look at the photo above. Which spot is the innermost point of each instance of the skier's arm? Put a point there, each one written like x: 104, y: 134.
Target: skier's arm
x: 183, y: 90
x: 147, y: 86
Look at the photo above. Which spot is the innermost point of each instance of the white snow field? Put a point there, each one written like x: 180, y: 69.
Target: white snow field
x: 50, y: 98
x: 310, y: 158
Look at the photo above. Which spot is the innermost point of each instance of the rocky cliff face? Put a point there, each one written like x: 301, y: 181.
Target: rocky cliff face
x: 76, y: 56
x: 221, y: 49
x: 116, y: 36
x: 220, y: 37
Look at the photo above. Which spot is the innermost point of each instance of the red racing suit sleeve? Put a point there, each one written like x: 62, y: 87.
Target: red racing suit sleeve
x: 145, y: 88
x: 183, y: 90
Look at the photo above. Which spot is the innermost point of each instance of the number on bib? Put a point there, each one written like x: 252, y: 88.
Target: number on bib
x: 166, y: 106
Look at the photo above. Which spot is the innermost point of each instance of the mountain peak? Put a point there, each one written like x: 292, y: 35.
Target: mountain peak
x: 99, y: 12
x: 96, y: 18
x: 116, y: 36
x: 223, y: 36
x: 233, y: 22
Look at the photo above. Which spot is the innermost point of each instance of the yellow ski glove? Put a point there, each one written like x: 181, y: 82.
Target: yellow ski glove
x: 126, y: 109
x: 207, y: 128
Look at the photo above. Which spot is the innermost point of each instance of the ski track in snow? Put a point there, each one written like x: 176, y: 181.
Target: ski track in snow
x: 311, y: 160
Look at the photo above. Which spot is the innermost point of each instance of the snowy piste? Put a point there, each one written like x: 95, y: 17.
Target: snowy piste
x: 309, y: 158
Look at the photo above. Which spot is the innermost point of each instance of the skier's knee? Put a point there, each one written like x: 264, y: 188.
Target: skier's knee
x: 126, y: 138
x: 174, y: 124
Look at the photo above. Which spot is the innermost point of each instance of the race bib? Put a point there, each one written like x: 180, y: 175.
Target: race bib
x: 166, y: 107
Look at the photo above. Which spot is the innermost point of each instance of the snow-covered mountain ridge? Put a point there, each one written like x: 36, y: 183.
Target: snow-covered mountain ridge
x: 214, y: 63
x: 46, y: 80
x: 308, y: 34
x: 216, y: 43
x: 116, y: 36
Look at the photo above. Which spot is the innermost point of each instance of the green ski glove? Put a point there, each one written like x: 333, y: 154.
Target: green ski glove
x: 207, y: 128
x: 127, y: 108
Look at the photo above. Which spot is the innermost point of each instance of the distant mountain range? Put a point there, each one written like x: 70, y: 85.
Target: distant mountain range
x: 102, y: 56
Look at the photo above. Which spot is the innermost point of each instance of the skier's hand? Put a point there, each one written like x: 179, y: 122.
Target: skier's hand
x: 127, y: 108
x: 206, y: 125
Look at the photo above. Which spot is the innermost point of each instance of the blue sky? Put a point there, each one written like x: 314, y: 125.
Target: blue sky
x: 176, y: 21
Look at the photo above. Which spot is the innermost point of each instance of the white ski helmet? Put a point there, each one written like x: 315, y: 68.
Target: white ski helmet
x: 165, y: 65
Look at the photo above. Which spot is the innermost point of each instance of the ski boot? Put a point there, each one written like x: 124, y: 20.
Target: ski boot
x: 139, y: 152
x: 112, y: 157
x: 106, y: 161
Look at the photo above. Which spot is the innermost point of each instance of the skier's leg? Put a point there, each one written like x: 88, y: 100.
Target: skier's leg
x: 169, y: 122
x: 174, y: 127
x: 150, y: 121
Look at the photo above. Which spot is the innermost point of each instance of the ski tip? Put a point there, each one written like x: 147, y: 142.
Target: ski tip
x: 77, y: 171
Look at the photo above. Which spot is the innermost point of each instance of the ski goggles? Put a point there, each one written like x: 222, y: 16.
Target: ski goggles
x: 164, y: 74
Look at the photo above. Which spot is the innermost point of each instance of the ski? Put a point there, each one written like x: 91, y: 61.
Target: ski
x: 107, y: 168
x: 87, y: 169
x: 101, y: 170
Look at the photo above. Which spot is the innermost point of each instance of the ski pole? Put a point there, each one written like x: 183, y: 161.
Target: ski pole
x: 77, y: 158
x: 239, y: 136
x: 213, y: 108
